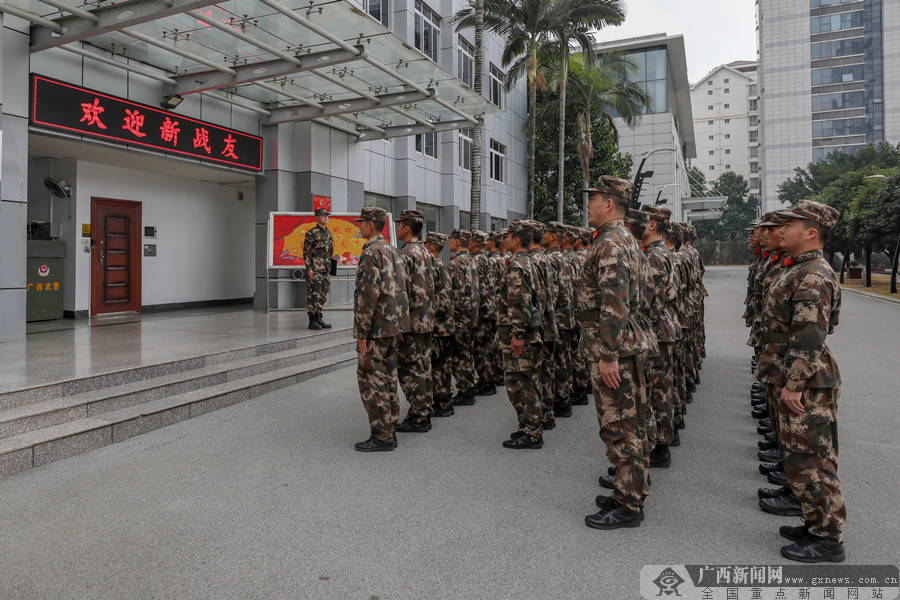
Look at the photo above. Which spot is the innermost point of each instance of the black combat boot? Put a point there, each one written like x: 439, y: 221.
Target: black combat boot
x: 795, y: 534
x: 524, y: 442
x: 785, y: 506
x: 814, y: 549
x: 562, y: 409
x: 660, y: 457
x: 613, y: 516
x: 410, y: 426
x: 314, y: 322
x: 464, y: 399
x: 322, y: 323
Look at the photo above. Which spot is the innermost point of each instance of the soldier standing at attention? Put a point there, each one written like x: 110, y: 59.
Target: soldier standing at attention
x: 498, y: 267
x: 580, y: 376
x: 444, y: 326
x: 318, y: 248
x: 609, y: 304
x: 801, y: 309
x: 414, y: 365
x: 380, y: 314
x: 464, y: 279
x: 547, y: 290
x: 519, y: 316
x: 483, y: 345
x: 565, y: 317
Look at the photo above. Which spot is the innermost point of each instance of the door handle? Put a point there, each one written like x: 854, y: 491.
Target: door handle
x: 102, y: 257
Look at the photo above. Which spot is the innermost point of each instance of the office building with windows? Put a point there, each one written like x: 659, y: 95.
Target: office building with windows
x: 828, y: 81
x: 268, y: 107
x: 666, y: 128
x: 726, y: 122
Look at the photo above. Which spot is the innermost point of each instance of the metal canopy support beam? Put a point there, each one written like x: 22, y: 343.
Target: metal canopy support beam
x: 115, y: 17
x: 175, y: 50
x: 211, y: 80
x: 341, y: 107
x: 50, y: 26
x: 109, y: 61
x: 283, y: 92
x: 402, y: 130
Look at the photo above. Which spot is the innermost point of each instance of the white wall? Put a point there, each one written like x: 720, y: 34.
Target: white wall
x: 736, y: 114
x: 205, y: 236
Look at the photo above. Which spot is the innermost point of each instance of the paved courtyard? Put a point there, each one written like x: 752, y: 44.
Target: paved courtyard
x: 267, y: 499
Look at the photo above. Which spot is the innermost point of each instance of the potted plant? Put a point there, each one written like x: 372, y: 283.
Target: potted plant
x: 855, y: 270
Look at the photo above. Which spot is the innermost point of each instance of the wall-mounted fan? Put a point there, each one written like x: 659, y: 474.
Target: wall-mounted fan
x: 59, y: 188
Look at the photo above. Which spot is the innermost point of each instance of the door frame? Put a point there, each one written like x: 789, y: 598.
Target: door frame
x: 134, y: 250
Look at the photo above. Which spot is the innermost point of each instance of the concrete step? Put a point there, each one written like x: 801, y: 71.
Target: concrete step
x: 55, y: 411
x: 70, y: 387
x: 36, y: 448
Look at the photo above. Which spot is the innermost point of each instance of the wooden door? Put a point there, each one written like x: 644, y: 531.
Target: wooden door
x: 116, y: 257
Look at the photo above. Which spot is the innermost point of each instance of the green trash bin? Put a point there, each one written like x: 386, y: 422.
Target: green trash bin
x: 44, y: 292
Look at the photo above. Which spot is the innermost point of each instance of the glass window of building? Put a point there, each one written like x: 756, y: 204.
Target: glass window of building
x: 497, y: 223
x: 426, y: 143
x: 838, y: 127
x: 754, y: 121
x: 751, y: 105
x: 710, y: 122
x: 725, y: 81
x: 379, y: 10
x: 754, y: 136
x: 466, y: 63
x: 838, y: 101
x: 711, y: 152
x: 712, y: 137
x: 727, y: 136
x: 710, y: 107
x: 465, y: 148
x: 837, y: 48
x: 754, y: 167
x: 427, y: 31
x: 712, y: 167
x: 464, y: 217
x: 709, y: 92
x: 379, y: 200
x: 709, y: 82
x: 754, y: 183
x: 496, y: 91
x: 432, y: 217
x: 847, y: 20
x: 726, y: 89
x: 728, y: 120
x: 727, y: 150
x: 498, y: 161
x: 751, y: 89
x: 843, y: 74
x: 653, y: 74
x: 727, y: 166
x: 754, y: 152
x: 727, y: 106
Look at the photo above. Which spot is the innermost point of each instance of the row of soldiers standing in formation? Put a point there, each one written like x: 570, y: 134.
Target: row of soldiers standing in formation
x: 793, y: 302
x: 552, y: 312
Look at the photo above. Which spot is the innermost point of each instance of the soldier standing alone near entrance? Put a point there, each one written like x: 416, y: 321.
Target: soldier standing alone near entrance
x: 380, y: 314
x: 318, y: 249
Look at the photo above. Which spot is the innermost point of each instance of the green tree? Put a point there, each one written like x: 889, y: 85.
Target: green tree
x: 739, y: 211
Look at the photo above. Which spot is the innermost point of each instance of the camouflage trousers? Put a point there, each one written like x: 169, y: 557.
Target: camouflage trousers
x: 317, y: 290
x: 581, y: 372
x: 809, y: 450
x: 440, y: 372
x: 662, y: 393
x: 622, y: 417
x: 497, y: 361
x: 651, y: 431
x: 463, y: 363
x: 376, y: 373
x: 772, y: 394
x: 562, y: 366
x: 485, y: 334
x: 414, y: 372
x: 680, y: 386
x: 521, y: 376
x: 546, y: 380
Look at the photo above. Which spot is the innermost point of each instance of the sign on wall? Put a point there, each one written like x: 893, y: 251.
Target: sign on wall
x: 287, y: 230
x: 321, y: 202
x: 73, y: 109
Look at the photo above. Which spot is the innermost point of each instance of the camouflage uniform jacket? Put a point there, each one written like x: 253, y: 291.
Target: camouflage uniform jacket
x: 419, y: 265
x: 444, y: 323
x: 380, y: 304
x: 648, y: 308
x: 546, y: 286
x: 498, y: 266
x: 519, y: 311
x: 767, y: 271
x: 318, y: 249
x: 465, y: 289
x: 802, y: 308
x: 690, y: 273
x: 752, y: 271
x: 565, y: 297
x: 487, y: 289
x: 699, y: 269
x: 612, y: 295
x: 662, y: 273
x: 682, y: 299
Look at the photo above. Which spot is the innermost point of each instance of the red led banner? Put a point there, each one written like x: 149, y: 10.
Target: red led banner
x: 74, y: 109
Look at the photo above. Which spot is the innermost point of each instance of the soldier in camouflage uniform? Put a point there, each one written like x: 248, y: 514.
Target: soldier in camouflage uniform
x: 444, y: 326
x: 519, y: 325
x: 414, y: 366
x: 554, y: 236
x: 498, y: 267
x: 801, y: 309
x: 466, y: 301
x: 547, y: 288
x: 682, y: 307
x: 486, y: 330
x: 700, y: 270
x: 380, y: 314
x: 581, y: 370
x: 609, y: 303
x: 318, y: 249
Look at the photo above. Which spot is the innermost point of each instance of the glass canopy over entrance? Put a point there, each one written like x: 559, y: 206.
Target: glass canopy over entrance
x: 290, y: 60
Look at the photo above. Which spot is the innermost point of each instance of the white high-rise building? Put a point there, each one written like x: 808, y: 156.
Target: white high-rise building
x: 726, y: 122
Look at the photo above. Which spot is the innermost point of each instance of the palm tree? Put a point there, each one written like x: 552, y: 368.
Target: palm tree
x: 598, y: 90
x: 578, y: 17
x: 477, y: 137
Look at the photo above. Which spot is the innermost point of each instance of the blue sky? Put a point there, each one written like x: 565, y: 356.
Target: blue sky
x: 715, y: 31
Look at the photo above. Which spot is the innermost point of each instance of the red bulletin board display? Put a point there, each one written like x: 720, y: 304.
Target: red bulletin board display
x: 287, y: 230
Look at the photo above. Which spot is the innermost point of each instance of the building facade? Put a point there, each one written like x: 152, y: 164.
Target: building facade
x: 313, y: 82
x: 828, y: 81
x: 666, y: 128
x: 726, y: 122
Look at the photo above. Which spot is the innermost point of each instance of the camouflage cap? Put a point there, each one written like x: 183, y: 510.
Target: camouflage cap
x: 372, y: 213
x: 657, y: 213
x: 773, y: 219
x: 463, y: 235
x: 587, y: 234
x: 438, y: 239
x: 518, y: 226
x: 676, y: 229
x: 573, y: 232
x: 637, y: 218
x: 479, y: 237
x: 537, y: 226
x: 810, y: 210
x: 322, y: 212
x: 558, y: 228
x: 496, y: 236
x: 614, y: 186
x: 411, y: 215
